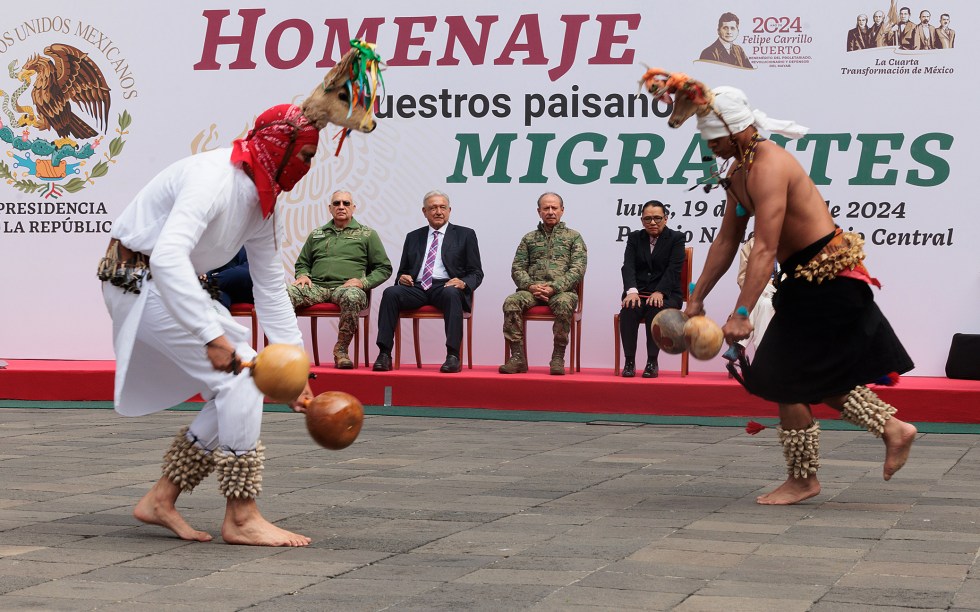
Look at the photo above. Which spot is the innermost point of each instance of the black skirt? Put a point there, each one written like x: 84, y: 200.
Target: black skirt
x: 824, y: 340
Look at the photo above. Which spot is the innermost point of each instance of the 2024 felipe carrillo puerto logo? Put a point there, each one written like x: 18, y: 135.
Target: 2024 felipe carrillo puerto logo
x: 55, y: 107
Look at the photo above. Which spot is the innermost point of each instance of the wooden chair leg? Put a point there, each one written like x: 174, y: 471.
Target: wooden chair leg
x: 684, y: 356
x: 469, y: 343
x: 367, y: 334
x: 418, y: 348
x: 398, y: 344
x: 357, y: 348
x: 571, y: 349
x: 316, y: 343
x: 616, y: 344
x: 255, y: 331
x: 524, y: 336
x: 578, y: 348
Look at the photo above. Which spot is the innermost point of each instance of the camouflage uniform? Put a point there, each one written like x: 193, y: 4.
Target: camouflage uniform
x: 332, y: 256
x: 558, y: 259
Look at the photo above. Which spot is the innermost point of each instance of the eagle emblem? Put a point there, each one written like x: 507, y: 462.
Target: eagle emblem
x: 67, y: 75
x: 70, y: 97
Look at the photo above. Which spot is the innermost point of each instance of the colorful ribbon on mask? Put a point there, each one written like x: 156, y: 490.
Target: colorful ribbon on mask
x: 362, y: 84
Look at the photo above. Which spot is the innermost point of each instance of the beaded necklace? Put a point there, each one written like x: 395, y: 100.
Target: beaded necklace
x: 748, y: 156
x: 746, y: 162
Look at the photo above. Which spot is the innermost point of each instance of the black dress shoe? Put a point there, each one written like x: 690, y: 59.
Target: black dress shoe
x: 629, y: 369
x: 651, y: 371
x: 383, y: 363
x: 451, y: 365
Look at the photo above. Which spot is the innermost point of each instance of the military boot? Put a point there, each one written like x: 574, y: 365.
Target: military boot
x: 516, y: 364
x: 558, y: 361
x: 341, y: 360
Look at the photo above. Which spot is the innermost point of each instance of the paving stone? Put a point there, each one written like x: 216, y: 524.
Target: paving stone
x: 924, y: 570
x: 143, y: 575
x: 17, y: 583
x: 474, y: 597
x: 700, y: 603
x: 847, y: 607
x: 270, y: 583
x: 78, y: 588
x: 203, y: 598
x: 904, y: 598
x: 463, y: 514
x: 52, y: 604
x: 581, y: 598
x: 521, y: 576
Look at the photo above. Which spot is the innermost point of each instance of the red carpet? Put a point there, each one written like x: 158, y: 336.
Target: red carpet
x: 596, y: 391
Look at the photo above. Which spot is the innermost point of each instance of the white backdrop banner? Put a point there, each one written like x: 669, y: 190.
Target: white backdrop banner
x: 496, y: 103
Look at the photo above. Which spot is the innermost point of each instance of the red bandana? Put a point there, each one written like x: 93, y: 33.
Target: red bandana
x: 270, y: 151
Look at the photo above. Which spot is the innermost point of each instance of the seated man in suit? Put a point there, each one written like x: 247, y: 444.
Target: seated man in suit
x: 440, y: 265
x: 548, y: 266
x: 232, y: 281
x: 339, y: 263
x: 651, y: 282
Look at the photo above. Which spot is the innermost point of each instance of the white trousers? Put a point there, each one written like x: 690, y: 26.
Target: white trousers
x: 165, y: 365
x: 760, y: 316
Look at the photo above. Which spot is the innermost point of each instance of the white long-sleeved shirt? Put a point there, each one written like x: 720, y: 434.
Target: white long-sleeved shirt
x: 195, y: 216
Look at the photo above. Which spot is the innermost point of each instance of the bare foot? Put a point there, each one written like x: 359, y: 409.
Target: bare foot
x: 245, y: 525
x: 793, y: 491
x: 157, y: 508
x: 898, y: 437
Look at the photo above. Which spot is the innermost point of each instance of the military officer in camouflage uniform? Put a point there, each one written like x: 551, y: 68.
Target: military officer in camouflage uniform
x: 548, y: 266
x: 339, y: 263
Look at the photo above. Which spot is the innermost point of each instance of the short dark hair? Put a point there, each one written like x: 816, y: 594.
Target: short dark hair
x: 727, y: 17
x: 906, y: 9
x: 946, y: 15
x: 654, y: 204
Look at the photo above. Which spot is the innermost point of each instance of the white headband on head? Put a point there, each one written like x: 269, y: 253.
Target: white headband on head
x: 733, y: 105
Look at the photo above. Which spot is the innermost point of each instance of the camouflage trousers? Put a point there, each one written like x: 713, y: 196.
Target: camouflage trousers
x: 562, y: 305
x: 351, y: 300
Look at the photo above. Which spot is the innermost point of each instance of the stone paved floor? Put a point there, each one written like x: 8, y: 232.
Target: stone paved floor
x: 455, y: 514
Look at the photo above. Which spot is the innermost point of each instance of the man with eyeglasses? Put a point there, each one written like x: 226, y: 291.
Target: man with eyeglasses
x: 651, y: 282
x: 339, y: 263
x: 440, y: 266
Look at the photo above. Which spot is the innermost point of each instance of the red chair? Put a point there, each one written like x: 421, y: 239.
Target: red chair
x: 431, y: 312
x: 330, y: 310
x: 543, y: 313
x: 687, y: 270
x: 244, y: 309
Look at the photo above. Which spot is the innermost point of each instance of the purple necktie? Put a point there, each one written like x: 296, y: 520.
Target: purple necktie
x: 430, y: 261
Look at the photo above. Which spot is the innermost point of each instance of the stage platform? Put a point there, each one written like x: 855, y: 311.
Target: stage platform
x: 920, y: 399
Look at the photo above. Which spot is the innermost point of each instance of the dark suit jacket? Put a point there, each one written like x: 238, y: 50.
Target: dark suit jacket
x: 716, y: 52
x: 657, y: 271
x: 234, y: 281
x: 460, y: 255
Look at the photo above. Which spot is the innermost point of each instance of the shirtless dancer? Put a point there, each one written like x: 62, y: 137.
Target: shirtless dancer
x: 173, y: 341
x: 827, y: 339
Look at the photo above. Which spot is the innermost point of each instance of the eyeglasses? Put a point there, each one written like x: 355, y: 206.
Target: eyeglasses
x: 657, y: 219
x: 341, y: 203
